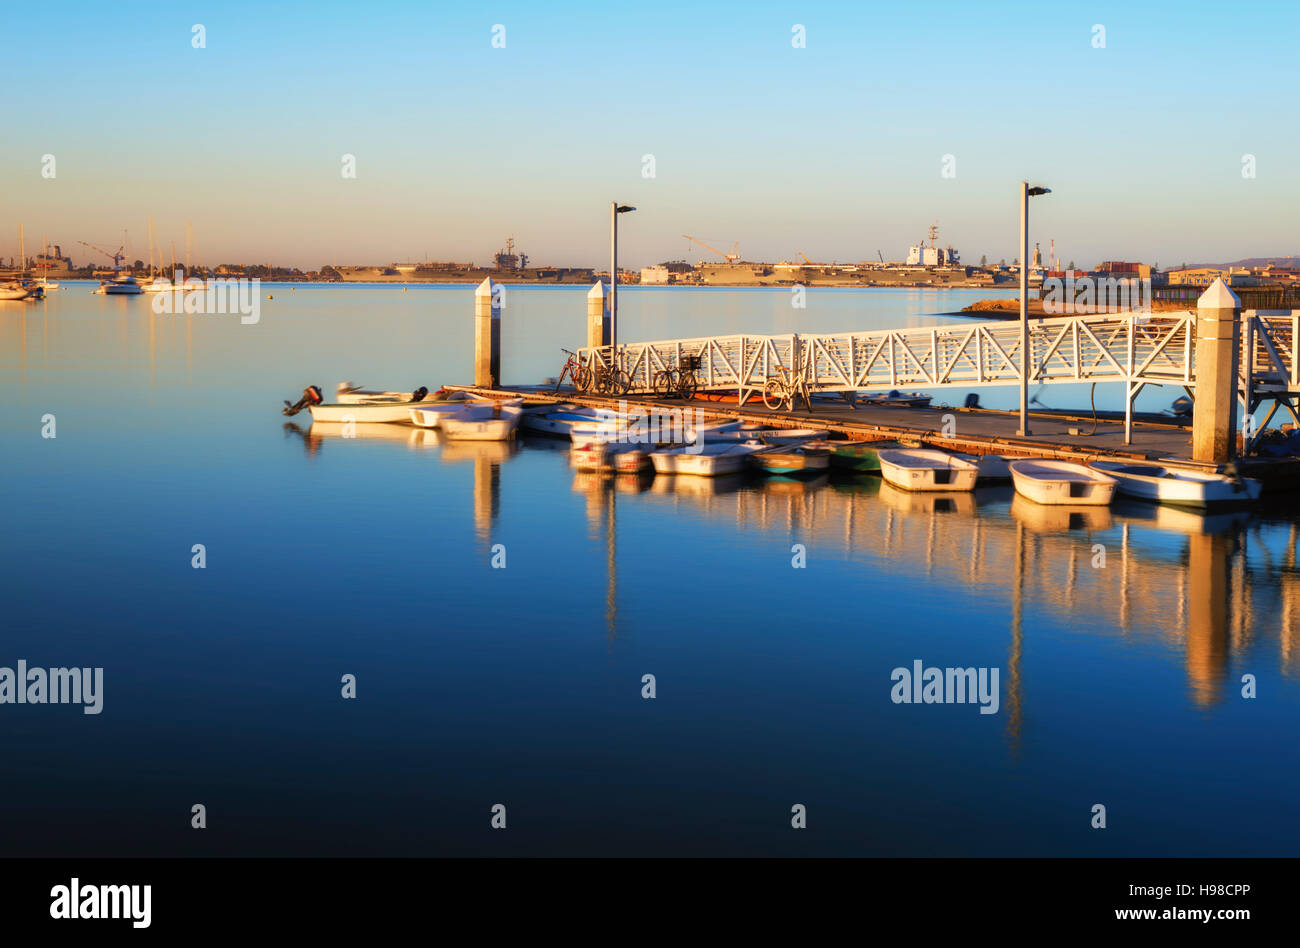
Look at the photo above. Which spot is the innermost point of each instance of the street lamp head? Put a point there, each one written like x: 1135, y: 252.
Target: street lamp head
x: 623, y: 208
x: 1034, y: 191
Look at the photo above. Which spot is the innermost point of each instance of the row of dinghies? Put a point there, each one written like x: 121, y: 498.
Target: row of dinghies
x: 603, y: 441
x: 460, y: 416
x: 1064, y: 483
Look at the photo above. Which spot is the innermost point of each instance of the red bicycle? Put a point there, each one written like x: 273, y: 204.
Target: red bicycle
x: 576, y: 372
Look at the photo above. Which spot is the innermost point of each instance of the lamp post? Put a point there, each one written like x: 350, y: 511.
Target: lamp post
x: 1026, y: 192
x: 615, y: 209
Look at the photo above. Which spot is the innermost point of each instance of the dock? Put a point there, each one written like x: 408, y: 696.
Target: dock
x: 1217, y: 354
x: 976, y: 431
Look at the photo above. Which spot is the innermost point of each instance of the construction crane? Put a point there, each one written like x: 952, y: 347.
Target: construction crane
x: 729, y: 257
x: 116, y: 256
x: 805, y: 257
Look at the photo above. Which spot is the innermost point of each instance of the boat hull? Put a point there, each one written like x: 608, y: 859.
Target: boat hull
x: 1062, y: 483
x: 713, y: 460
x: 1157, y: 484
x: 920, y: 469
x: 482, y: 422
x: 373, y: 413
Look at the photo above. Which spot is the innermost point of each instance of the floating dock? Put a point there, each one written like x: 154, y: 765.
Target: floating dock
x: 976, y: 431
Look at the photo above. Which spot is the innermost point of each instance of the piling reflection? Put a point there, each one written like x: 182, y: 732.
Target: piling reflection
x: 1176, y: 578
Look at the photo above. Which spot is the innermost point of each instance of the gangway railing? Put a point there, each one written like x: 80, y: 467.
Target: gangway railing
x: 1136, y: 349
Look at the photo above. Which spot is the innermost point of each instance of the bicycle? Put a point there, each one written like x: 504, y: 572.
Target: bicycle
x: 578, y: 374
x: 611, y: 380
x: 681, y: 382
x: 782, y: 389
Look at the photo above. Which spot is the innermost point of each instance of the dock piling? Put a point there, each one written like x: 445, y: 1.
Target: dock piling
x: 598, y: 321
x: 1214, y: 415
x: 487, y: 335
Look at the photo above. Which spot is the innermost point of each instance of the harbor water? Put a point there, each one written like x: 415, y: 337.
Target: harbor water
x: 499, y: 613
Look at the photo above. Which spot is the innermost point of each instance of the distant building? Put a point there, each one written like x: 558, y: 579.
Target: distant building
x: 52, y: 261
x: 657, y: 276
x: 1121, y: 270
x: 1204, y: 276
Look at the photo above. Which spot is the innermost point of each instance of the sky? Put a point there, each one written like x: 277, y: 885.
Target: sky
x: 835, y: 150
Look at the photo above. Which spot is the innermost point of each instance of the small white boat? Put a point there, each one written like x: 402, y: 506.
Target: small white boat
x: 708, y: 460
x: 345, y: 393
x: 120, y: 286
x: 369, y: 412
x: 650, y: 431
x: 1062, y: 482
x: 802, y: 459
x: 430, y: 412
x: 48, y: 285
x: 927, y: 469
x: 488, y: 420
x: 14, y: 291
x: 1181, y: 487
x: 560, y: 420
x: 633, y: 462
x: 792, y: 435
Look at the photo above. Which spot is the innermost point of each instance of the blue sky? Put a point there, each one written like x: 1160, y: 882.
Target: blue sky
x: 833, y: 150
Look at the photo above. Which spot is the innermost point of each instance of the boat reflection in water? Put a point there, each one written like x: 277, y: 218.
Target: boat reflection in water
x: 929, y: 502
x: 319, y: 432
x: 1059, y: 518
x: 1177, y: 579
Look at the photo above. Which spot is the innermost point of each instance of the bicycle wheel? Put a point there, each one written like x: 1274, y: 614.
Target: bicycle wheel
x: 622, y: 382
x: 687, y: 385
x: 666, y: 382
x: 582, y: 379
x: 774, y: 393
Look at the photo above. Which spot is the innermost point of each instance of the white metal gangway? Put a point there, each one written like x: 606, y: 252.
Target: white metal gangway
x: 1136, y: 349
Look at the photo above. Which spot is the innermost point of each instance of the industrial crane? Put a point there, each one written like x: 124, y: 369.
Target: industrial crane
x: 115, y: 256
x: 729, y: 257
x: 805, y: 256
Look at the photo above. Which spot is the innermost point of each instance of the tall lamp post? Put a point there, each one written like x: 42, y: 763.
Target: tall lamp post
x: 1026, y: 192
x: 615, y: 209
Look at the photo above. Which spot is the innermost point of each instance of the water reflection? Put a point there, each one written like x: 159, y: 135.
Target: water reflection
x: 1141, y: 572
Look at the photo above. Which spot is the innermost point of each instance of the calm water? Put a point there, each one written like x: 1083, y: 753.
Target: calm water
x: 476, y: 686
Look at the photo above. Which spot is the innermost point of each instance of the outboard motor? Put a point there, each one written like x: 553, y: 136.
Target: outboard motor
x: 310, y: 396
x: 1182, y: 405
x: 972, y: 400
x: 419, y: 393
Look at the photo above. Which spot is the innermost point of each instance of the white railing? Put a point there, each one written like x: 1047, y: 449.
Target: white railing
x: 1141, y: 349
x: 1138, y: 349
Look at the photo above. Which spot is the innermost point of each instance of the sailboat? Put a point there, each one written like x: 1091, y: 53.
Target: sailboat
x: 33, y: 290
x: 45, y: 282
x: 14, y: 289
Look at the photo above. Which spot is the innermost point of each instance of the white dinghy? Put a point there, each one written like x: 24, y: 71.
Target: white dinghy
x: 927, y: 469
x: 711, y: 459
x: 367, y: 412
x: 483, y: 421
x: 1181, y: 487
x: 1062, y: 482
x: 429, y: 413
x: 346, y: 393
